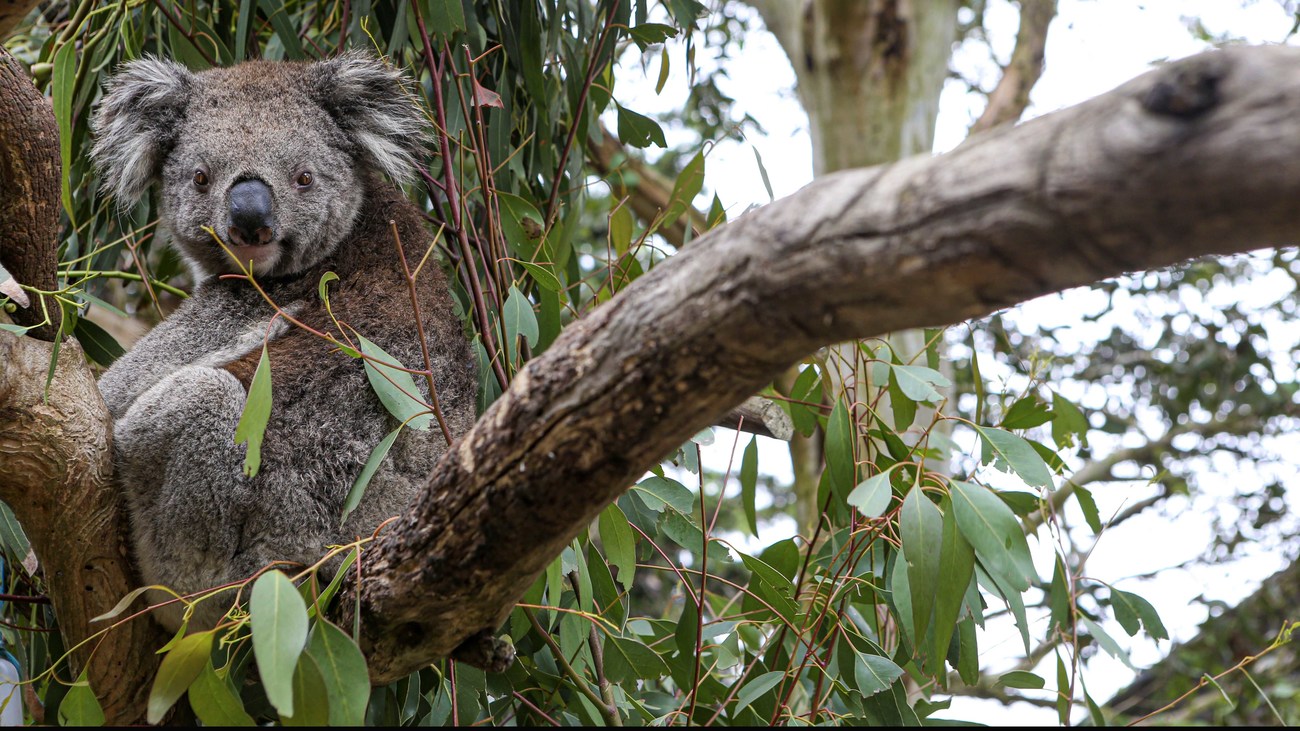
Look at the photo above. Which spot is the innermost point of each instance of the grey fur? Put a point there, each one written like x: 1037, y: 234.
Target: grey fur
x: 196, y: 520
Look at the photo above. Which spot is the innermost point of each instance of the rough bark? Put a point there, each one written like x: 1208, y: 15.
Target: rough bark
x: 55, y: 474
x: 55, y: 447
x: 12, y: 12
x: 1196, y: 158
x: 29, y: 188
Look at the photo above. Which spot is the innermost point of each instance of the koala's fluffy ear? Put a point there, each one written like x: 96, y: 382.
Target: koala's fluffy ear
x: 374, y: 107
x: 137, y: 123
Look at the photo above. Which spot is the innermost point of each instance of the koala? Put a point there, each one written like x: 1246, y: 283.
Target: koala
x: 284, y: 163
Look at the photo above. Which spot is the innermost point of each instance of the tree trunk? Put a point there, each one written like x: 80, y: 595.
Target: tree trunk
x: 55, y: 443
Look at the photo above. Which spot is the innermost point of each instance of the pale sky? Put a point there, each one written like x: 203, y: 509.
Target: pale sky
x: 1093, y: 46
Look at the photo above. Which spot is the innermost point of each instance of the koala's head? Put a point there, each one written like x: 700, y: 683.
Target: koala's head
x: 272, y: 157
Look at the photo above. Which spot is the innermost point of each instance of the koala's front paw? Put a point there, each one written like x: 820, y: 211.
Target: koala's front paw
x: 182, y: 473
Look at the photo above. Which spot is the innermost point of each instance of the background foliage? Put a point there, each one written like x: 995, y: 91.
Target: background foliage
x: 673, y: 609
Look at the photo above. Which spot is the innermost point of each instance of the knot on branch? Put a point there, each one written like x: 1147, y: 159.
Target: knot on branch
x: 486, y: 651
x: 1187, y: 89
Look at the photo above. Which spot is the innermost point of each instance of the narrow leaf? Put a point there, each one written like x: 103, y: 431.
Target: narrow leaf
x: 375, y: 459
x: 395, y: 388
x: 921, y: 528
x: 257, y: 412
x: 749, y: 485
x: 755, y: 689
x: 1022, y: 679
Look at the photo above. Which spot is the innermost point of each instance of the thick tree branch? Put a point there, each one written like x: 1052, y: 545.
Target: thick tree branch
x: 1009, y: 98
x: 1196, y: 158
x: 12, y: 13
x: 55, y: 445
x: 29, y: 188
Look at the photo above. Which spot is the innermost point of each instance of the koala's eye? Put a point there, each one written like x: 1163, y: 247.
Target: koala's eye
x: 304, y: 180
x: 200, y: 178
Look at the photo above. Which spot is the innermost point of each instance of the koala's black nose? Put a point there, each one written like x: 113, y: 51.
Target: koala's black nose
x: 251, y: 222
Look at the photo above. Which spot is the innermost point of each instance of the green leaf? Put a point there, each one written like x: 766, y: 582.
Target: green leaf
x: 11, y: 533
x: 179, y: 668
x: 285, y: 30
x: 768, y: 573
x: 688, y: 185
x: 395, y: 388
x: 343, y: 672
x: 619, y: 542
x: 968, y: 666
x: 956, y: 568
x: 375, y: 459
x: 920, y: 383
x: 628, y: 660
x: 542, y: 274
x: 1062, y: 692
x: 311, y: 695
x: 279, y: 620
x: 215, y: 702
x: 63, y: 91
x: 522, y: 226
x: 874, y: 673
x: 762, y: 172
x: 1027, y: 413
x: 664, y: 68
x: 1130, y: 608
x: 444, y: 16
x: 1083, y: 496
x: 122, y: 604
x: 257, y: 412
x: 1013, y: 454
x: 683, y: 531
x: 1069, y: 423
x: 1059, y: 597
x: 755, y: 689
x: 102, y: 347
x: 520, y: 320
x: 638, y: 130
x: 841, y: 469
x: 749, y: 485
x: 656, y: 492
x: 872, y: 495
x: 1022, y: 679
x: 79, y: 706
x: 993, y: 531
x: 921, y: 528
x: 904, y: 407
x: 648, y: 34
x: 1106, y: 642
x: 322, y: 288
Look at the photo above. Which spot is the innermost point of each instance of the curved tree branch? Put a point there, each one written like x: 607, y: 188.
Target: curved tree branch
x: 1196, y: 158
x: 29, y: 189
x: 1009, y: 98
x: 55, y: 444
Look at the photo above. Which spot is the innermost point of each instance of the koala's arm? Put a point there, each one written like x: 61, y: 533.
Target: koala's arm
x: 192, y: 335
